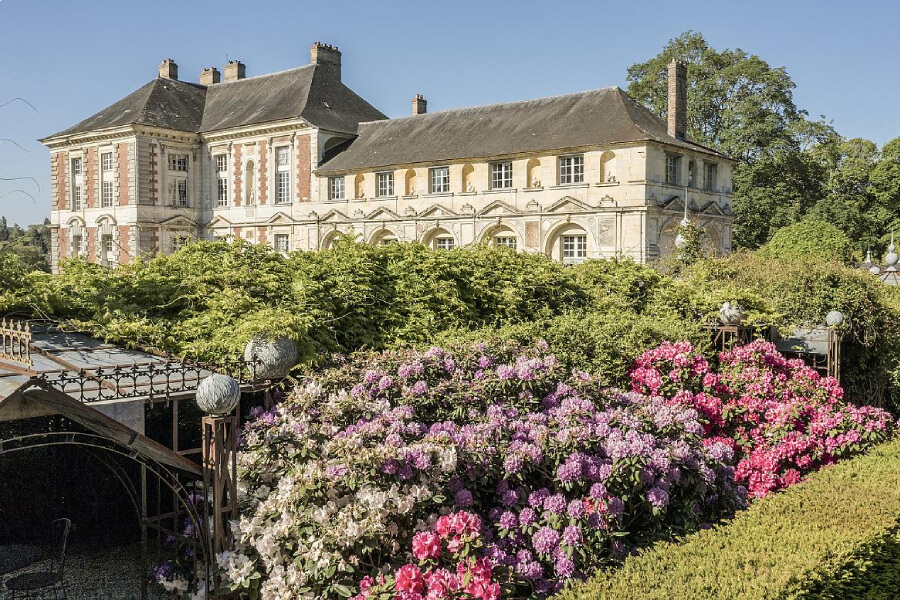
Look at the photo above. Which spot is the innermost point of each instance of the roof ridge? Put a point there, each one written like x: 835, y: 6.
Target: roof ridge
x: 263, y: 75
x: 496, y: 104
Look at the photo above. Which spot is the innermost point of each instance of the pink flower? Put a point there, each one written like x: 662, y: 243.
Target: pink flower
x: 409, y: 579
x: 426, y: 545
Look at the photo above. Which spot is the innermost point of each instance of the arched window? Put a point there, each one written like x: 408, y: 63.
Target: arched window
x: 533, y: 172
x: 501, y: 236
x: 107, y: 242
x: 569, y: 244
x: 383, y: 237
x: 608, y: 167
x: 250, y: 182
x: 440, y: 239
x: 77, y: 238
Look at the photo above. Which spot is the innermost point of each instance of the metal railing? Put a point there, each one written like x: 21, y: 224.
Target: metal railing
x: 15, y: 342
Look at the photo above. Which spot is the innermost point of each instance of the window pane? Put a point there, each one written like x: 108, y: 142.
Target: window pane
x: 440, y: 180
x: 106, y: 161
x: 336, y: 188
x: 574, y: 248
x: 501, y: 175
x: 443, y: 243
x: 284, y: 187
x: 385, y: 184
x: 107, y: 193
x: 283, y: 156
x: 505, y: 241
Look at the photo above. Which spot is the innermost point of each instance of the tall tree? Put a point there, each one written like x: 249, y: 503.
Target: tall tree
x: 741, y: 106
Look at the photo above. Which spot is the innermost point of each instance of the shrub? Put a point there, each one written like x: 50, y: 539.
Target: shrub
x: 833, y: 536
x: 810, y: 240
x: 782, y: 418
x: 564, y: 475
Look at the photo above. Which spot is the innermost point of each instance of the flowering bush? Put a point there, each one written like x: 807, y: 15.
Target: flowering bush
x: 369, y: 470
x: 781, y: 417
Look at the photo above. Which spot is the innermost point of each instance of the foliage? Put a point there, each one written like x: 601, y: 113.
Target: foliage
x: 564, y: 474
x: 31, y: 246
x: 781, y: 418
x: 809, y: 240
x: 833, y: 536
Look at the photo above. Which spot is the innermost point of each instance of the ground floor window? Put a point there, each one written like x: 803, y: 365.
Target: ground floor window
x: 107, y: 249
x: 444, y: 243
x: 282, y: 243
x: 506, y: 241
x: 574, y: 248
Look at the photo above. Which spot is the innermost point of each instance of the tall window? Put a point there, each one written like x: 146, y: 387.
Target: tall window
x: 385, y: 184
x: 439, y: 180
x: 335, y: 188
x: 179, y: 242
x: 106, y: 179
x: 178, y: 162
x: 106, y: 249
x: 282, y: 243
x: 179, y: 193
x: 221, y: 180
x: 501, y: 175
x: 283, y: 174
x: 574, y: 248
x: 505, y: 241
x: 77, y: 183
x: 709, y: 176
x: 571, y: 169
x: 673, y: 164
x: 444, y: 243
x: 77, y: 245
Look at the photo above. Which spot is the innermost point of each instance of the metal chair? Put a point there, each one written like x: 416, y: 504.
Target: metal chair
x: 49, y: 583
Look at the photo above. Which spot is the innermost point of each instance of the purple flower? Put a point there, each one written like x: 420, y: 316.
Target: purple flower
x: 508, y: 520
x: 485, y: 362
x: 536, y: 498
x: 527, y: 516
x: 336, y: 471
x: 505, y: 372
x: 419, y: 388
x: 385, y: 383
x: 615, y: 506
x: 371, y: 377
x: 463, y: 498
x: 572, y: 536
x: 658, y: 497
x: 569, y: 471
x: 598, y: 491
x: 556, y: 504
x: 564, y: 566
x: 530, y: 569
x: 575, y: 509
x: 545, y: 540
x: 513, y: 464
x: 509, y: 497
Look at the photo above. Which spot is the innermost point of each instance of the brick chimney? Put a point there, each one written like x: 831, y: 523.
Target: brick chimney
x: 235, y: 70
x: 210, y: 76
x: 677, y: 113
x: 168, y: 69
x: 329, y: 57
x: 420, y: 105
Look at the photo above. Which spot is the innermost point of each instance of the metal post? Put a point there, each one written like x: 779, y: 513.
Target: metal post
x: 220, y: 480
x: 144, y: 565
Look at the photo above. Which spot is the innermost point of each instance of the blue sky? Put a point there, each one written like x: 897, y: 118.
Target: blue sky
x: 71, y: 58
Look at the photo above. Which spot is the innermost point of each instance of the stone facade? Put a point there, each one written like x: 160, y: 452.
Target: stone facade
x: 124, y: 190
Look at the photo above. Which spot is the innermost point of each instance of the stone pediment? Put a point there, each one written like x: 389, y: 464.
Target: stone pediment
x: 568, y: 204
x: 335, y: 215
x: 383, y: 214
x: 279, y: 218
x: 219, y: 221
x: 497, y: 208
x: 712, y: 208
x: 179, y: 221
x: 436, y: 210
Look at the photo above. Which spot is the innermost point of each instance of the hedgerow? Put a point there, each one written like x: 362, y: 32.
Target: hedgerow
x: 833, y: 536
x: 208, y: 299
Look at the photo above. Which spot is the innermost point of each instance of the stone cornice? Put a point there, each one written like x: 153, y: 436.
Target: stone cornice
x: 274, y: 128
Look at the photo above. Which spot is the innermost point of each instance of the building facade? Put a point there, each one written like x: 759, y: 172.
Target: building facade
x: 295, y: 159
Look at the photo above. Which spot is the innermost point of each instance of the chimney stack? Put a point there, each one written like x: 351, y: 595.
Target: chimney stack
x: 329, y: 57
x: 677, y: 113
x: 420, y: 105
x: 235, y: 70
x: 168, y: 69
x: 210, y: 76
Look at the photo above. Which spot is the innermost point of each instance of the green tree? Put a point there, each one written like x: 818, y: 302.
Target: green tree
x: 741, y: 106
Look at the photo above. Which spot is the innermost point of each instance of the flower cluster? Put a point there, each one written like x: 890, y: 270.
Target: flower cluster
x: 781, y: 417
x: 534, y: 475
x: 447, y: 566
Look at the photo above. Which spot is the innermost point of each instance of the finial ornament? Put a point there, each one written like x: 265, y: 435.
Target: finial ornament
x: 891, y: 259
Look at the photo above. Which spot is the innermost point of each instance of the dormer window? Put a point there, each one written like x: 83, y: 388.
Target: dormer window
x: 673, y: 165
x: 501, y: 175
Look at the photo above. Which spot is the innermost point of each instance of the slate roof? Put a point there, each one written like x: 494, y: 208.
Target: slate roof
x: 592, y: 118
x: 310, y: 92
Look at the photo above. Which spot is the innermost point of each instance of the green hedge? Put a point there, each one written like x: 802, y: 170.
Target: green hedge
x: 835, y: 536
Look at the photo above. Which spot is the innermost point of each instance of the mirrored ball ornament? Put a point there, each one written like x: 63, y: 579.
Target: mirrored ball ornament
x: 218, y: 395
x: 834, y: 318
x: 275, y: 357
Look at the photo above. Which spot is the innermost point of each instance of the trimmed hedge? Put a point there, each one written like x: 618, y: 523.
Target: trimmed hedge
x: 837, y: 535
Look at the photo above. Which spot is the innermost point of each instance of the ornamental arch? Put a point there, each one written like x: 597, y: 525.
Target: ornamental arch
x: 570, y: 242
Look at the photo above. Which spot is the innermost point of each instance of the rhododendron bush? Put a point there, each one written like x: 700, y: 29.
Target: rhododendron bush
x: 469, y: 473
x: 781, y: 417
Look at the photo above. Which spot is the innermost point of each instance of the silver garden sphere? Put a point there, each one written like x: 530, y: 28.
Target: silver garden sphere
x: 275, y: 357
x: 218, y: 395
x: 680, y: 241
x: 731, y: 314
x: 834, y: 318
